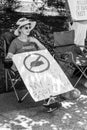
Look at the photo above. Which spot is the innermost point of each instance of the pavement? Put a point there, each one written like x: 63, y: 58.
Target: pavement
x: 29, y: 115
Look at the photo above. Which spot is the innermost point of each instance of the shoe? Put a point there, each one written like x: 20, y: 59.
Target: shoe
x: 52, y: 109
x: 52, y: 105
x: 49, y: 101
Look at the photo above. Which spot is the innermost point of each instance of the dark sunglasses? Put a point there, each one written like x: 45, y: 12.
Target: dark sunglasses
x: 27, y: 28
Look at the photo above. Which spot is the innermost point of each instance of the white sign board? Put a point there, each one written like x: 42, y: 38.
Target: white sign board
x: 80, y: 32
x: 41, y: 74
x: 78, y: 9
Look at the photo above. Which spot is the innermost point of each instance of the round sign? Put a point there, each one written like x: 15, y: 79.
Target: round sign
x: 36, y: 63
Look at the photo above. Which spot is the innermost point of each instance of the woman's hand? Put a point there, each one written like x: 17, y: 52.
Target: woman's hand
x: 39, y: 44
x: 9, y: 55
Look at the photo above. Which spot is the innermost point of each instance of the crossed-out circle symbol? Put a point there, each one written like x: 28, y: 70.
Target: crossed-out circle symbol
x: 36, y: 63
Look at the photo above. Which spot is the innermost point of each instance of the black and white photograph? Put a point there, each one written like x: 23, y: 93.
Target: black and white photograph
x: 43, y: 64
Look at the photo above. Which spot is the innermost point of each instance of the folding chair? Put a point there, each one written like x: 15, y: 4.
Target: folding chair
x: 11, y: 77
x: 67, y: 53
x: 6, y: 39
x: 80, y: 62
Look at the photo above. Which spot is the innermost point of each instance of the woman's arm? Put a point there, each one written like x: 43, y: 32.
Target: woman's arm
x: 39, y: 44
x: 11, y: 50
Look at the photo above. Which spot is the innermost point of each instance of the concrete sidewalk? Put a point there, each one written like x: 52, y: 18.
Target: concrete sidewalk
x: 29, y: 115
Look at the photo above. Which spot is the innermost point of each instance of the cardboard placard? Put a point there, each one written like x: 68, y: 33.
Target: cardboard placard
x: 42, y: 75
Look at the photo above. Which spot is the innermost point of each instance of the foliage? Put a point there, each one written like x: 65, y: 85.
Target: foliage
x: 11, y: 4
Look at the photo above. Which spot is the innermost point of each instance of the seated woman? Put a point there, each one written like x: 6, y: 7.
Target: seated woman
x: 24, y: 42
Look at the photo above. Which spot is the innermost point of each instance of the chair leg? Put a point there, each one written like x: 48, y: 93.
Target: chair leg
x: 13, y: 86
x: 18, y: 98
x: 6, y: 79
x: 83, y: 74
x: 24, y: 96
x: 16, y: 94
x: 13, y: 83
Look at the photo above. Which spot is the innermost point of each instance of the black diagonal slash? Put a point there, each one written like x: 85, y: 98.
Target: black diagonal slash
x: 35, y: 62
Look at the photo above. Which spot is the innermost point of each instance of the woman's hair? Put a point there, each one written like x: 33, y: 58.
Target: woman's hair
x: 20, y: 29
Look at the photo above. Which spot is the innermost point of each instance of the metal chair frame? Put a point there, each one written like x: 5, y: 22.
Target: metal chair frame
x: 79, y: 67
x: 76, y: 65
x: 12, y: 81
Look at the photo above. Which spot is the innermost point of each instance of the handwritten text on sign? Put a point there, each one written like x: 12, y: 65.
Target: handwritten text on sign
x: 42, y: 75
x: 78, y: 9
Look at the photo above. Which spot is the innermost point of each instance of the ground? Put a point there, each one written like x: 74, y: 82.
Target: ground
x: 29, y: 115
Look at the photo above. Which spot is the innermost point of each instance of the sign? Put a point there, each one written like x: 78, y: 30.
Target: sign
x: 41, y: 74
x: 36, y: 65
x: 78, y: 9
x: 80, y: 32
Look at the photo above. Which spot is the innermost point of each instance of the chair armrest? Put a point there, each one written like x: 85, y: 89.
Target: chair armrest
x: 65, y: 57
x: 71, y: 56
x: 7, y: 63
x: 84, y: 49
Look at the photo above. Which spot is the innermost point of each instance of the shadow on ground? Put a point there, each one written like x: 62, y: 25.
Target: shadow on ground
x: 29, y: 115
x: 32, y: 116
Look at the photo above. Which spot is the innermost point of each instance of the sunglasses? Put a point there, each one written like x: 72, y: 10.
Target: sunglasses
x: 26, y: 28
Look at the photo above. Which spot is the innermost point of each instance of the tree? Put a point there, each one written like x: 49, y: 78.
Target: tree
x: 11, y: 4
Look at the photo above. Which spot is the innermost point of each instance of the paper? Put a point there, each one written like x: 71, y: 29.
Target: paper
x: 78, y: 9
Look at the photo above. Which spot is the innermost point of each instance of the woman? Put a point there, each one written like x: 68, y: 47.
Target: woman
x: 24, y: 42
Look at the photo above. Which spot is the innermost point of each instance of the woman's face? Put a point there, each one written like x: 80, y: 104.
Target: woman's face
x: 26, y: 29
